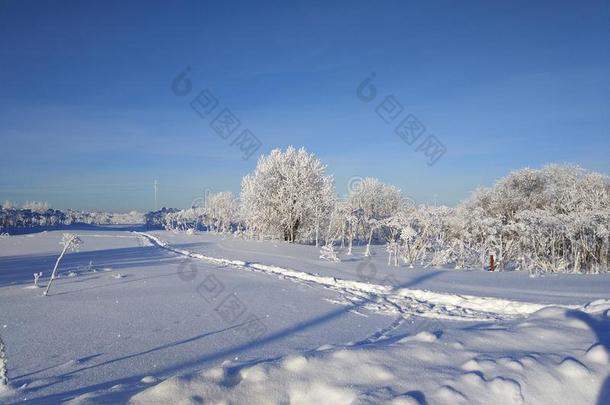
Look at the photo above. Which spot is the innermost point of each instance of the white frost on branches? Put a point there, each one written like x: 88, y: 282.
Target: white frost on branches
x: 36, y: 278
x: 328, y: 253
x: 70, y: 242
x: 218, y: 213
x: 288, y: 196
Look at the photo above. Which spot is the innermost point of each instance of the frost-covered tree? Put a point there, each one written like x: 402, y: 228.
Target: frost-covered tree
x: 156, y: 219
x: 369, y: 205
x: 323, y: 203
x: 70, y: 242
x: 553, y: 219
x: 221, y: 211
x: 287, y: 196
x: 35, y: 206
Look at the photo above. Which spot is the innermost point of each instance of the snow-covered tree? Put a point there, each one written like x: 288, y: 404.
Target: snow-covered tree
x: 35, y: 206
x: 369, y: 205
x: 221, y: 211
x: 549, y: 220
x: 323, y: 203
x: 287, y: 196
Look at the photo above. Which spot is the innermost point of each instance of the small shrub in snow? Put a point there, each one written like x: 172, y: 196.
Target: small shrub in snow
x: 329, y: 253
x: 36, y: 278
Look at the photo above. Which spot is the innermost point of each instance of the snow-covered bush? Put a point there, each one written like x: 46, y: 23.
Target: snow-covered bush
x: 328, y: 253
x: 555, y: 219
x: 218, y: 213
x: 288, y: 196
x: 190, y: 218
x: 157, y: 219
x: 36, y: 278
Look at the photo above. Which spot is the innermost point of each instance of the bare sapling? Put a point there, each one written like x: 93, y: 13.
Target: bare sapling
x: 71, y: 243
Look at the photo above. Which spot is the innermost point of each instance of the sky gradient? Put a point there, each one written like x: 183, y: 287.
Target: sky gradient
x: 88, y: 119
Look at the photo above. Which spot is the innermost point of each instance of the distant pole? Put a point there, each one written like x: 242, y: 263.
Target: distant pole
x: 156, y: 190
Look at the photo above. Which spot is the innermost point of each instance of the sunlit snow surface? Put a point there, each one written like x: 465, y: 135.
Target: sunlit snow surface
x: 176, y: 318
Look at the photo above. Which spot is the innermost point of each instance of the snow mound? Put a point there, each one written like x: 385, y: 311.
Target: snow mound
x: 416, y: 369
x: 424, y: 336
x: 598, y: 306
x: 598, y: 354
x: 149, y: 379
x: 573, y: 368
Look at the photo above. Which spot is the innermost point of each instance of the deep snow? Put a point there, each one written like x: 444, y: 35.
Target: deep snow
x: 223, y: 319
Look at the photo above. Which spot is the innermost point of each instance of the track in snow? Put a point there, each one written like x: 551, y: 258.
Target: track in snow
x: 404, y: 302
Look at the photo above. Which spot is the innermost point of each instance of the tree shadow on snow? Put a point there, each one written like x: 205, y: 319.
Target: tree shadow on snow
x: 19, y: 269
x: 601, y: 328
x: 132, y: 384
x: 76, y: 227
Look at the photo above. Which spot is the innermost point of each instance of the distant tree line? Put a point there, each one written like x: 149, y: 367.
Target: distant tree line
x: 38, y: 214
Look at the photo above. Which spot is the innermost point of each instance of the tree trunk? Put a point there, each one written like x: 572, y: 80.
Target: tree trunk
x: 368, y: 245
x: 46, y: 292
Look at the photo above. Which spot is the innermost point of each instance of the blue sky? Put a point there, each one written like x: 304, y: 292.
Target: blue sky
x: 88, y: 119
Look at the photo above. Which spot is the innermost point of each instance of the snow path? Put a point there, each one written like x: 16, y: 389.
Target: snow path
x: 383, y: 298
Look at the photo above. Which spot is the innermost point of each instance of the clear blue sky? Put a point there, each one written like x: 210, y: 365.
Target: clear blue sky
x: 88, y: 119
